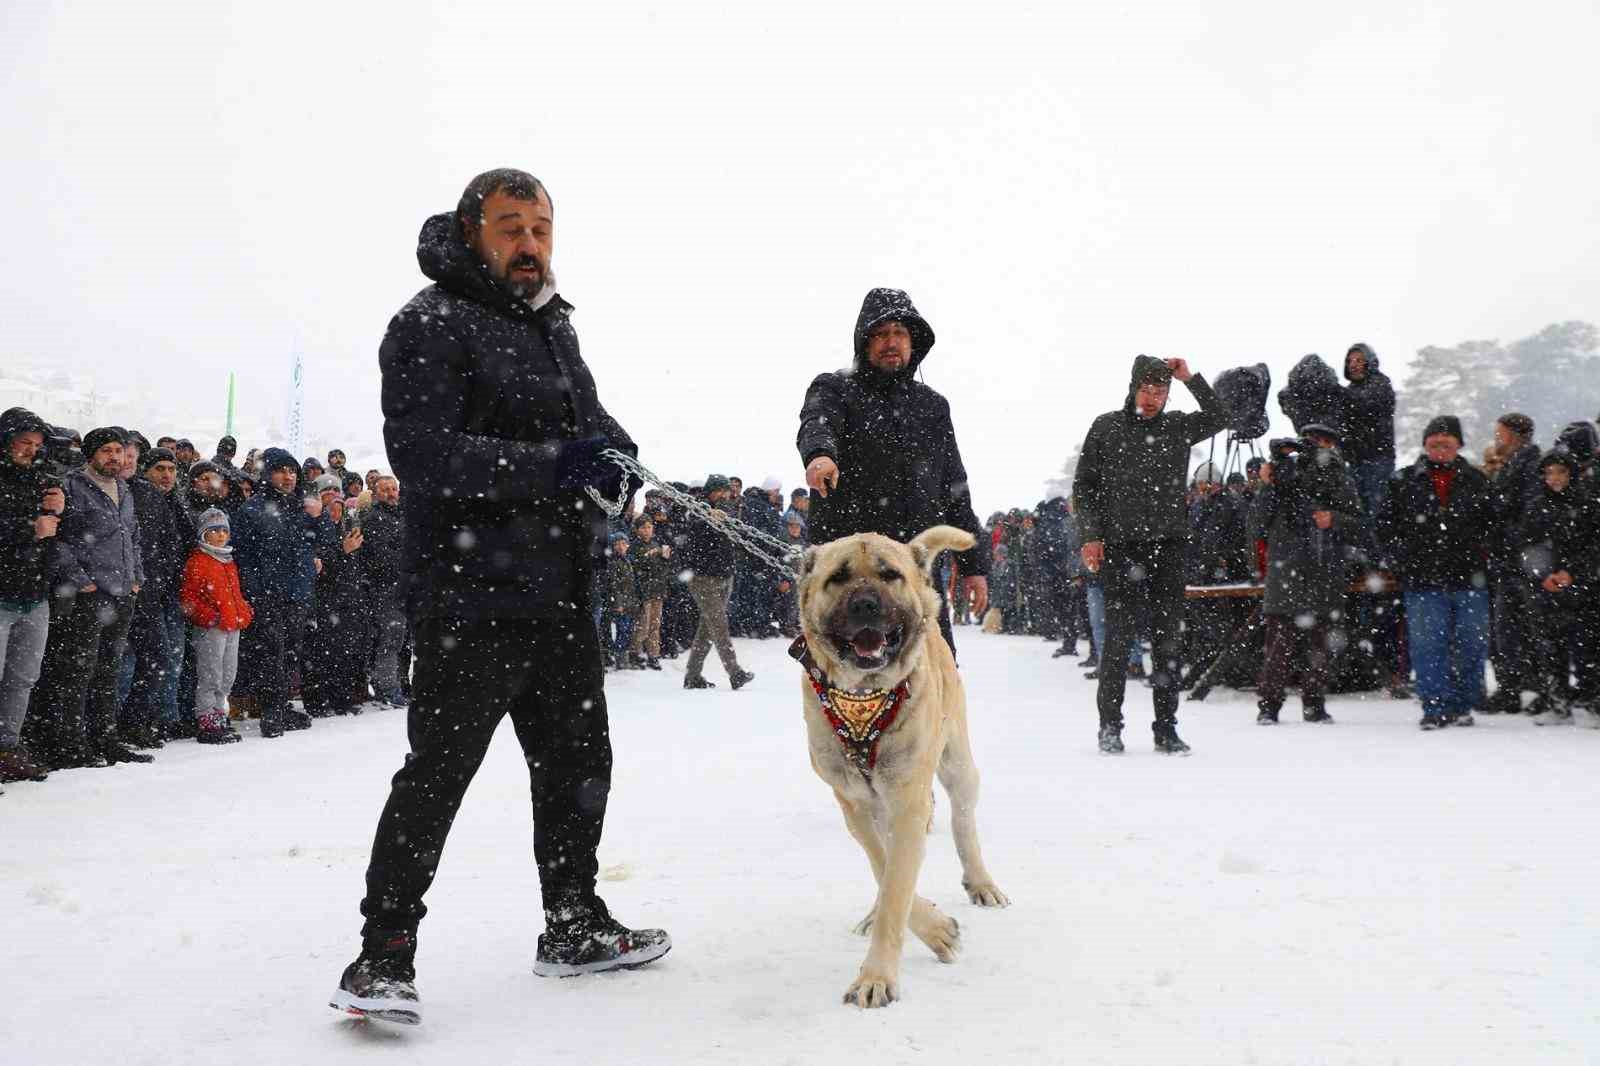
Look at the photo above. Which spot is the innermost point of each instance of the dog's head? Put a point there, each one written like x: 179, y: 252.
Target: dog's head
x: 867, y: 603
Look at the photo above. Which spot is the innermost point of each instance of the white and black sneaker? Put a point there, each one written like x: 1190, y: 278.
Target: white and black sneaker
x: 382, y: 983
x: 584, y: 940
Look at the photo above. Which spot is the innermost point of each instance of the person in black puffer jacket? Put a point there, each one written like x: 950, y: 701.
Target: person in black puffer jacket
x: 1514, y: 643
x: 1129, y: 493
x: 1560, y: 551
x: 158, y: 633
x: 1436, y: 526
x: 710, y: 555
x: 30, y: 513
x: 880, y: 448
x: 1368, y: 440
x: 494, y: 424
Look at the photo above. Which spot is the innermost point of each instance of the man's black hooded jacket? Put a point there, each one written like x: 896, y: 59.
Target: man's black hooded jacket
x: 891, y: 436
x: 1368, y: 413
x: 480, y: 391
x: 1132, y: 471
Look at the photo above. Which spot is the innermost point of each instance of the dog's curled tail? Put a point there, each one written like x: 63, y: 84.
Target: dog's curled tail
x: 930, y: 542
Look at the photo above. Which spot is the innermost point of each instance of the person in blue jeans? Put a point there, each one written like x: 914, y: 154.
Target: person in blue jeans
x: 1435, y: 527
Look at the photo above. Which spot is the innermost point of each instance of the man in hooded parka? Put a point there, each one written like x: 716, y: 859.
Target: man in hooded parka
x: 880, y: 448
x: 1129, y: 497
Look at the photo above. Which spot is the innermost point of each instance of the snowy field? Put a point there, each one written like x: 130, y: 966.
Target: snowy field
x: 1360, y: 893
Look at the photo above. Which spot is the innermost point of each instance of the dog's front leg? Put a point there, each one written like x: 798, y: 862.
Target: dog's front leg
x: 906, y: 812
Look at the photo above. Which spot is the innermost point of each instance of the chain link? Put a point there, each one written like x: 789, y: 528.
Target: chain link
x: 782, y: 555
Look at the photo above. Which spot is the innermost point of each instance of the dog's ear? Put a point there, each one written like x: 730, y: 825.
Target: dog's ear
x: 808, y: 562
x: 930, y: 542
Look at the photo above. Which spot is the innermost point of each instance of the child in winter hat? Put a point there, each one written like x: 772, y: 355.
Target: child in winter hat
x: 213, y: 601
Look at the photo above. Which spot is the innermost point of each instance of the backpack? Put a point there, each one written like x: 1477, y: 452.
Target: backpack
x: 1243, y: 392
x: 1312, y: 394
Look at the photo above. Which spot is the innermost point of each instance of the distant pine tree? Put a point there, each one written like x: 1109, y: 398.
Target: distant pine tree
x: 1467, y: 381
x: 1555, y: 377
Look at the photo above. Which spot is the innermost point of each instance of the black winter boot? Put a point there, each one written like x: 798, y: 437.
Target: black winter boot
x: 584, y: 938
x: 1317, y: 713
x: 1111, y: 740
x: 382, y: 982
x: 740, y: 680
x: 698, y: 682
x: 1167, y: 740
x: 1266, y: 714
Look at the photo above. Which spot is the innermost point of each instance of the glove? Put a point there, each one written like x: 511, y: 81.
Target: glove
x: 580, y: 465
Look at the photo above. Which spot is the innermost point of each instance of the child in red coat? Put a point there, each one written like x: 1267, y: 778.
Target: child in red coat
x: 214, y: 603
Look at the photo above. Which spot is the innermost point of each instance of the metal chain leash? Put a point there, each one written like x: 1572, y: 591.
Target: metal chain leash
x: 764, y: 546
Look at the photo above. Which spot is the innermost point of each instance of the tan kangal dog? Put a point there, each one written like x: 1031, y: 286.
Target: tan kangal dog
x: 885, y: 711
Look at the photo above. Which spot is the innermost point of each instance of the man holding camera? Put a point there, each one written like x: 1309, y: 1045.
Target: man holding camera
x: 1310, y: 512
x: 30, y: 514
x: 1132, y: 515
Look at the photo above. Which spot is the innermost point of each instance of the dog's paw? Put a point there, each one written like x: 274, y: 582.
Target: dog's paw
x: 941, y: 933
x: 987, y: 894
x: 872, y: 990
x: 864, y: 926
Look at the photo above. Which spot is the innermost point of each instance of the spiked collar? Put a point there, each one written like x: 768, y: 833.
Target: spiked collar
x: 859, y: 718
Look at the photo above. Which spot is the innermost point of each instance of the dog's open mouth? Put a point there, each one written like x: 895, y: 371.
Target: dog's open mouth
x: 869, y: 648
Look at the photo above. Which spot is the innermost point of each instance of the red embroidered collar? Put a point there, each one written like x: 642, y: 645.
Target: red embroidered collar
x: 859, y: 719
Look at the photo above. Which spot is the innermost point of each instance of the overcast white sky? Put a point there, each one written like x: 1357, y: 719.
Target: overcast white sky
x: 196, y: 188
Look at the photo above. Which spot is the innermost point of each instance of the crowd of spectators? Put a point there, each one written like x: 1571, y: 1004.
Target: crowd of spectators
x: 1322, y: 566
x: 149, y: 594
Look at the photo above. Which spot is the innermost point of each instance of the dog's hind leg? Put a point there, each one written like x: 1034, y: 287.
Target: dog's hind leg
x: 959, y: 775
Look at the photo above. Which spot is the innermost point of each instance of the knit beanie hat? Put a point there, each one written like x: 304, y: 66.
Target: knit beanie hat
x: 214, y: 518
x: 1446, y: 424
x: 96, y: 439
x: 200, y: 469
x: 1559, y: 457
x: 329, y: 483
x: 157, y: 455
x: 1207, y: 472
x: 1519, y: 424
x: 275, y: 459
x: 617, y: 538
x: 715, y: 482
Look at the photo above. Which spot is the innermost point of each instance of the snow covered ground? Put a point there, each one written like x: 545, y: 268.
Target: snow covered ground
x: 1357, y: 893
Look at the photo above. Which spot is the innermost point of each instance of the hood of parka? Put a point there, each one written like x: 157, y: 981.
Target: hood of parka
x: 446, y: 258
x: 1371, y: 357
x: 891, y: 305
x: 21, y: 420
x: 1147, y: 369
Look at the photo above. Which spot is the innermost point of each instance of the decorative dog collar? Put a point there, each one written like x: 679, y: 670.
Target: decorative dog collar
x: 858, y: 718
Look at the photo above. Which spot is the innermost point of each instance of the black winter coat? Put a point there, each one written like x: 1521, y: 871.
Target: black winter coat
x: 383, y: 544
x: 1561, y: 531
x: 480, y: 392
x: 24, y: 559
x: 1219, y: 551
x: 1308, y: 569
x: 1132, y: 471
x: 274, y: 545
x: 900, y: 471
x: 655, y: 573
x: 707, y: 551
x: 166, y: 536
x: 1433, y: 546
x: 1369, y: 412
x: 1516, y: 487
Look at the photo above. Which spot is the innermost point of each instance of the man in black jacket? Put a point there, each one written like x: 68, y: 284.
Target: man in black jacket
x: 1436, y: 525
x: 382, y: 527
x: 880, y: 448
x: 711, y: 562
x: 494, y: 423
x: 1369, y: 425
x: 1128, y: 490
x: 1514, y: 643
x: 30, y: 514
x: 158, y: 633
